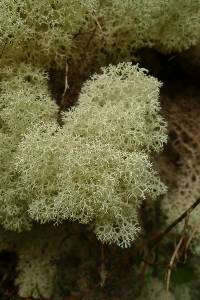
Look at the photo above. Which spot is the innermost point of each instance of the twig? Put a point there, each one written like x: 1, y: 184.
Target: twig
x: 91, y: 37
x: 184, y: 215
x: 77, y: 34
x: 66, y: 86
x: 156, y: 239
x: 178, y: 252
x: 172, y: 261
x: 97, y: 22
x: 66, y: 79
x: 189, y: 241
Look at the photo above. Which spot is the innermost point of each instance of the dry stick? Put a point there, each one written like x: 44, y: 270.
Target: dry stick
x: 66, y: 80
x: 91, y: 37
x: 66, y: 85
x: 172, y: 260
x: 182, y: 248
x: 191, y: 237
x: 97, y: 22
x: 171, y: 226
x: 177, y: 252
x: 97, y: 25
x: 156, y: 240
x: 189, y: 240
x: 77, y: 34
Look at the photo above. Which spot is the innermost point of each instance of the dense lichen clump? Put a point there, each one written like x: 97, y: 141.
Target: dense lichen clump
x: 120, y: 106
x: 166, y: 25
x: 24, y: 101
x: 41, y: 32
x: 96, y: 169
x: 92, y: 169
x: 92, y: 164
x: 87, y: 182
x: 47, y: 32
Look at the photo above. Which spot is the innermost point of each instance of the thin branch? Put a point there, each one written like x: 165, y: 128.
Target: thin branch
x: 184, y: 215
x: 66, y: 80
x: 77, y: 34
x: 189, y: 240
x: 172, y: 261
x: 66, y: 86
x: 91, y: 37
x: 178, y: 251
x: 97, y: 22
x: 153, y: 242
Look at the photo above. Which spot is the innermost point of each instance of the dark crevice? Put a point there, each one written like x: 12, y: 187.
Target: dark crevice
x: 172, y: 69
x: 8, y: 263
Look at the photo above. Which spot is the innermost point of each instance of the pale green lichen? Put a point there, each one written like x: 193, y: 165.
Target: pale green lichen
x: 24, y: 101
x: 92, y: 170
x: 41, y: 32
x: 120, y: 105
x: 46, y: 32
x: 51, y: 174
x: 166, y: 25
x: 86, y: 183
